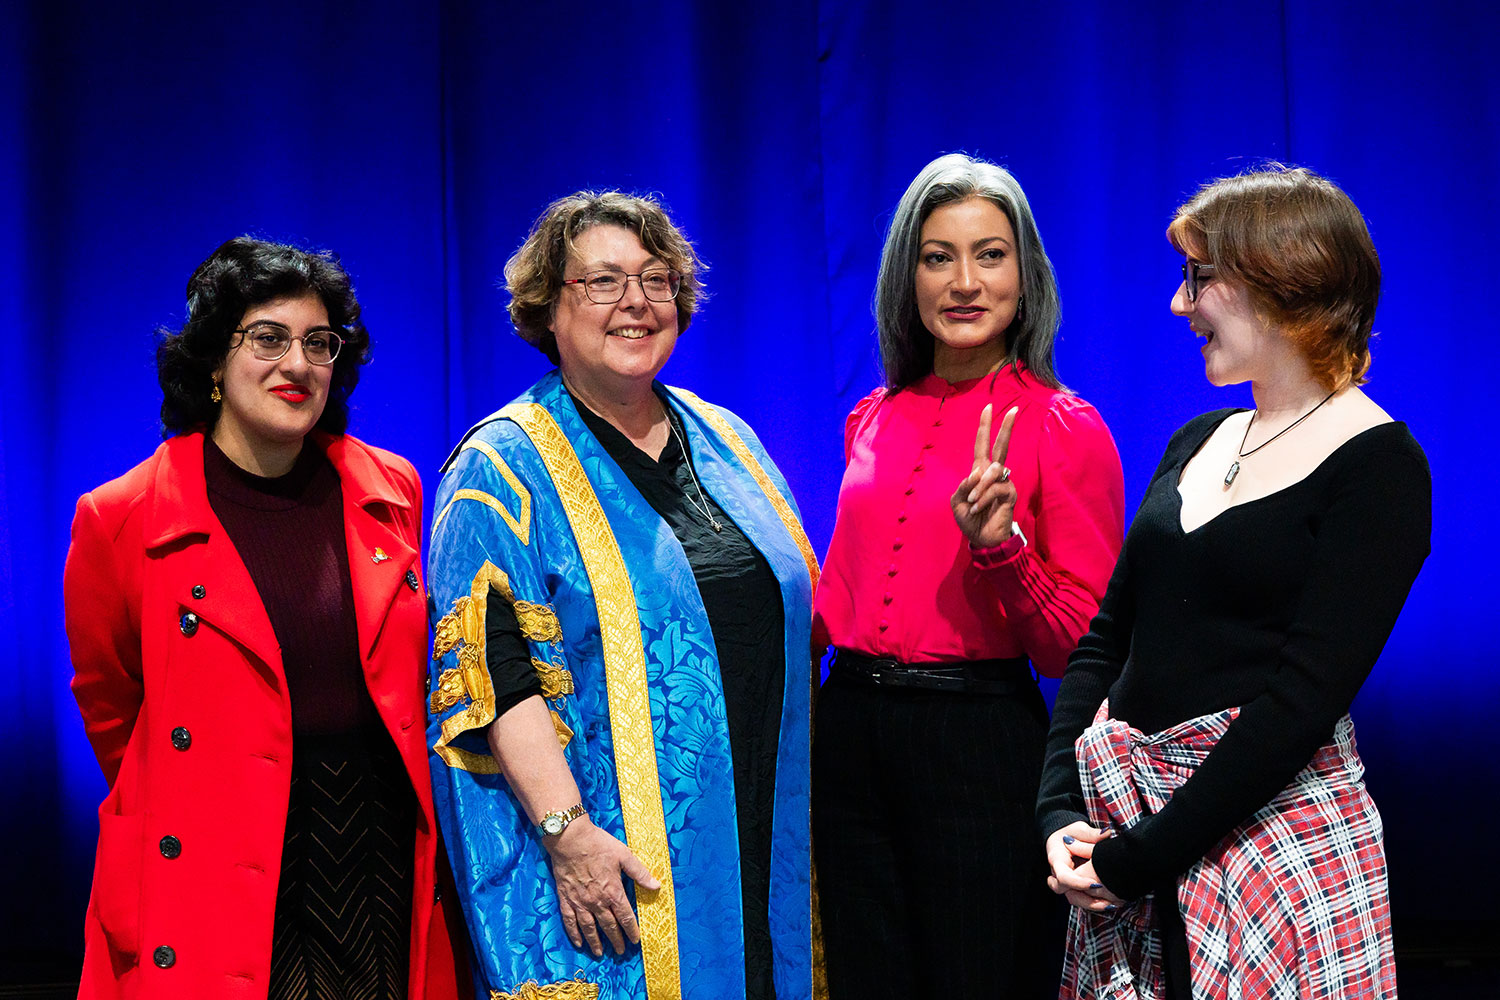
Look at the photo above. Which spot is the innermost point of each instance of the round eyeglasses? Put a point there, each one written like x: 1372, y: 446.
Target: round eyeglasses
x: 608, y: 286
x: 1194, y: 276
x: 272, y: 341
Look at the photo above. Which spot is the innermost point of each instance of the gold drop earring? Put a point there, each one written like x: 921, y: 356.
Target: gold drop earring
x: 216, y: 396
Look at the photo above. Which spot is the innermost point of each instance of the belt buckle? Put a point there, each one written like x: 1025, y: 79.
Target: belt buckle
x: 881, y: 669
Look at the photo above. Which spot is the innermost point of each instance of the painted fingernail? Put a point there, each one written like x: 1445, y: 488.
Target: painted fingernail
x: 1067, y: 839
x: 1095, y: 885
x: 1110, y: 907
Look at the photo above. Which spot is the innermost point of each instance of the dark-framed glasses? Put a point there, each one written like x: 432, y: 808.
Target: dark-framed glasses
x: 606, y: 287
x: 1194, y: 275
x: 272, y: 341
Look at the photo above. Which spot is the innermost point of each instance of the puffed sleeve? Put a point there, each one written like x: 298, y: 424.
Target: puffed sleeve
x: 103, y: 637
x: 857, y: 417
x: 1371, y: 541
x: 1051, y: 585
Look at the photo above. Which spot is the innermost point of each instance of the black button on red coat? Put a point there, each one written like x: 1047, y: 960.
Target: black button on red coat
x: 164, y: 957
x: 181, y: 738
x: 170, y: 847
x: 189, y: 624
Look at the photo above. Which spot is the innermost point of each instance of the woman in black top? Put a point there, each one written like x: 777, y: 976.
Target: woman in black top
x: 1215, y: 797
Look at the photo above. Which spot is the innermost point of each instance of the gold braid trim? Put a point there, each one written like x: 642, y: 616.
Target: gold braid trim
x: 538, y: 622
x: 556, y: 679
x: 450, y: 691
x: 463, y: 627
x: 520, y: 525
x: 741, y: 451
x: 568, y: 989
x: 629, y: 701
x: 794, y: 528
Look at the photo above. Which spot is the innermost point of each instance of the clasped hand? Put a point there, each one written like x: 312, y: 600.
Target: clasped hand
x: 1070, y: 853
x: 586, y: 866
x: 984, y: 503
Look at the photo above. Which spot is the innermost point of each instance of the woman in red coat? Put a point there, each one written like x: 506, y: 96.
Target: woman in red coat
x: 248, y: 636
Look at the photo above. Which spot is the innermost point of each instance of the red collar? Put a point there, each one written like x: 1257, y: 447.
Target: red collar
x: 179, y: 500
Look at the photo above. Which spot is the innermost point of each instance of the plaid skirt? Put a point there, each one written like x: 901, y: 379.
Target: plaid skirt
x: 1292, y: 904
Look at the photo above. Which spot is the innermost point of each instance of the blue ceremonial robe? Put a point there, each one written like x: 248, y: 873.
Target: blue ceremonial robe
x: 533, y: 509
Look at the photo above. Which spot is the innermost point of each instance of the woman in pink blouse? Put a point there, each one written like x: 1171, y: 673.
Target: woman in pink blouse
x: 980, y: 515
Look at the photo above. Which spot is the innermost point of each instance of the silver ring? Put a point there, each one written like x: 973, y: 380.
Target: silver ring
x: 1004, y: 474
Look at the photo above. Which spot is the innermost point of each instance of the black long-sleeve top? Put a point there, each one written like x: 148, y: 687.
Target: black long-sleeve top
x: 1280, y: 606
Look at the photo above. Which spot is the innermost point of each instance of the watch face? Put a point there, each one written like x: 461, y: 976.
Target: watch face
x: 552, y: 826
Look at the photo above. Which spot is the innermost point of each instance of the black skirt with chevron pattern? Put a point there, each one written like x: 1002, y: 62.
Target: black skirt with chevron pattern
x: 343, y: 905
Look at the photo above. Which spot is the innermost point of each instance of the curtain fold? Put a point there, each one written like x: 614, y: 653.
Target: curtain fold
x: 419, y: 142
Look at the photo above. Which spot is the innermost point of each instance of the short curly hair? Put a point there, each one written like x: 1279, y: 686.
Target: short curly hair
x: 1296, y: 241
x: 243, y: 273
x: 534, y: 273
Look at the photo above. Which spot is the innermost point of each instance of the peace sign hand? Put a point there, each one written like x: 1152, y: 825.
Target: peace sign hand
x: 984, y: 503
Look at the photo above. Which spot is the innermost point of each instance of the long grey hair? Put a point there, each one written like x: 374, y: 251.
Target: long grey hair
x: 906, y: 346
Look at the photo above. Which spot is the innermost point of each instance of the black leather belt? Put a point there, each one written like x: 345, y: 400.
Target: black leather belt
x: 1012, y: 676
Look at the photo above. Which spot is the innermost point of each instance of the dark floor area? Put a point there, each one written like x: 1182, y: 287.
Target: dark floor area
x: 1435, y: 960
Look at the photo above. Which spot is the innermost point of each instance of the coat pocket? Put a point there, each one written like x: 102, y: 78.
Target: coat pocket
x: 116, y: 894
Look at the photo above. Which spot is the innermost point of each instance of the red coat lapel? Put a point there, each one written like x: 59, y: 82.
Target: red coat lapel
x: 181, y: 528
x: 380, y: 559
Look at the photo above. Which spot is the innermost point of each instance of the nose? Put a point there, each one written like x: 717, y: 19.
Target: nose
x: 966, y: 278
x: 1181, y: 306
x: 635, y: 294
x: 295, y: 358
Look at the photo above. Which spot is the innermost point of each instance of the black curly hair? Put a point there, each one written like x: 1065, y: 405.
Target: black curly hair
x: 242, y: 273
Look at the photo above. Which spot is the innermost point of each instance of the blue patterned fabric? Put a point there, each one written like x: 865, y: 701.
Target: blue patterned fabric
x: 502, y: 870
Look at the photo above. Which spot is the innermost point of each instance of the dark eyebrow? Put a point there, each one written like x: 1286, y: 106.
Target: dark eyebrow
x: 977, y: 243
x: 322, y: 328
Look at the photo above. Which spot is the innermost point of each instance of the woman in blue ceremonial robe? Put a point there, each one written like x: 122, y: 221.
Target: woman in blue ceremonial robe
x: 620, y: 683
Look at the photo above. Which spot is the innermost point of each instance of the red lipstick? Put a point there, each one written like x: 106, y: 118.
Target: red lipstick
x: 292, y: 392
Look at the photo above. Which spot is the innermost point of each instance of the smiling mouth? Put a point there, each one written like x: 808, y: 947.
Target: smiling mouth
x: 631, y: 332
x: 292, y: 393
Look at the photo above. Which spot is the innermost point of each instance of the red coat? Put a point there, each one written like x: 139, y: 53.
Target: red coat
x: 192, y: 726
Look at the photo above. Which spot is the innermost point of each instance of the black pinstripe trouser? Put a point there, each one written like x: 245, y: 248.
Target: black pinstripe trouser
x: 932, y: 877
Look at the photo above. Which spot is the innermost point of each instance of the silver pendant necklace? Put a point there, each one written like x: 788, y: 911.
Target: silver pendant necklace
x: 1234, y: 468
x: 702, y: 502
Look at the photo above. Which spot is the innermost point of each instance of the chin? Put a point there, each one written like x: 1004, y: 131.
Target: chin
x: 291, y: 433
x: 971, y: 342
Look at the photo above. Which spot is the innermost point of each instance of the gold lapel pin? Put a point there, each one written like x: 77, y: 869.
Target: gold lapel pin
x: 379, y: 556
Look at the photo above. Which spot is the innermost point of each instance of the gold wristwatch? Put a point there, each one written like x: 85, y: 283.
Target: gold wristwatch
x: 556, y: 822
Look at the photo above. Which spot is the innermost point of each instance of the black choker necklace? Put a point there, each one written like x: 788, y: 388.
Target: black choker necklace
x: 1234, y: 469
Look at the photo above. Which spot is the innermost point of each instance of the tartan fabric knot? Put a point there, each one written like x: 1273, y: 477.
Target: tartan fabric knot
x: 1291, y: 904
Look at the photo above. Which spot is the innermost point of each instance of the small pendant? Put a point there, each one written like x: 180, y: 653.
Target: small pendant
x: 1234, y: 470
x: 716, y: 525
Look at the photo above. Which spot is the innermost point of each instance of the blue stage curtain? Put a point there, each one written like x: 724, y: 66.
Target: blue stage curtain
x: 420, y: 140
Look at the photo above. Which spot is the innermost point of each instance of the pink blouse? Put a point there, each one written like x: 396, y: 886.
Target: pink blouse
x: 900, y: 579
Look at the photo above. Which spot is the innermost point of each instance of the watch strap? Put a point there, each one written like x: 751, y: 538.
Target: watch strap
x: 560, y: 820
